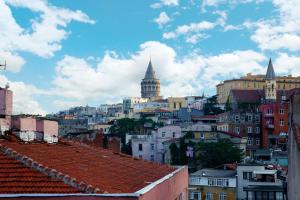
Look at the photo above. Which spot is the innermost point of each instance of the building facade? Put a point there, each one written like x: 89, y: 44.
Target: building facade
x: 212, y: 184
x: 255, y: 82
x: 256, y: 182
x: 150, y: 85
x: 151, y: 147
x: 294, y: 149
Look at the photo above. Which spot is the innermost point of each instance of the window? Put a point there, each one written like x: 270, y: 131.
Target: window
x: 281, y: 122
x: 237, y: 130
x: 195, y: 196
x: 257, y: 142
x: 152, y: 158
x: 250, y: 142
x: 247, y: 175
x: 222, y: 182
x: 202, y: 135
x: 269, y: 111
x: 257, y: 130
x: 249, y: 118
x: 249, y: 129
x: 163, y: 134
x: 209, y: 196
x: 140, y: 147
x: 281, y: 111
x: 222, y: 196
x: 174, y: 134
x: 211, y: 182
x: 237, y: 118
x: 140, y: 156
x: 152, y: 146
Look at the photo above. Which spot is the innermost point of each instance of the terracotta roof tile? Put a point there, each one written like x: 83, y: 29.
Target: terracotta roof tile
x: 17, y: 178
x: 110, y: 172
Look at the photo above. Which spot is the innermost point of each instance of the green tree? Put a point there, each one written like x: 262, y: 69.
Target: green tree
x: 214, y: 154
x: 211, y: 107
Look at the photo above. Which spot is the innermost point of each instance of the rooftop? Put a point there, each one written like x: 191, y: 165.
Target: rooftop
x: 214, y: 173
x: 19, y: 179
x: 100, y: 170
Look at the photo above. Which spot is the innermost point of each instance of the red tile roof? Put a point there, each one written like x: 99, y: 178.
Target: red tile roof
x: 247, y: 96
x: 17, y: 178
x: 103, y: 170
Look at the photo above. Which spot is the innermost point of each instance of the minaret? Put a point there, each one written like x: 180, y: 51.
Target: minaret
x: 270, y: 87
x: 150, y: 85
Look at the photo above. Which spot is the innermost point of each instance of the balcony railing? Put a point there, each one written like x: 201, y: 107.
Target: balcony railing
x: 269, y: 114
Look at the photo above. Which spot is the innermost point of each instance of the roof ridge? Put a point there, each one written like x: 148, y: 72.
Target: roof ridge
x: 52, y: 173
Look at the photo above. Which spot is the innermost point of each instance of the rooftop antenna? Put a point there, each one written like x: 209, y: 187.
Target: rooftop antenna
x: 4, y: 66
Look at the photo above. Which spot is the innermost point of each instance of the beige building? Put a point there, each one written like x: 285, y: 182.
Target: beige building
x: 252, y: 82
x: 175, y: 103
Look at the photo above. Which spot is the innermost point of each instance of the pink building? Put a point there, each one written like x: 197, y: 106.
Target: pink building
x: 6, y: 102
x: 48, y: 129
x: 23, y: 123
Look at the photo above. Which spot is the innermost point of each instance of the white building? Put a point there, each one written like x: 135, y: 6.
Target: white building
x: 256, y: 182
x: 150, y: 147
x: 152, y: 105
x: 129, y: 102
x: 196, y: 102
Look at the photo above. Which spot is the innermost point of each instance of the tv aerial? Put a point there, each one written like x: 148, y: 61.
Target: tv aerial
x: 3, y: 65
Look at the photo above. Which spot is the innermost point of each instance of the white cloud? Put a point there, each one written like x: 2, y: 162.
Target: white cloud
x: 44, y: 36
x: 24, y: 97
x: 162, y: 19
x: 192, y: 31
x: 13, y: 61
x: 165, y: 3
x: 287, y: 64
x: 280, y: 32
x: 115, y: 77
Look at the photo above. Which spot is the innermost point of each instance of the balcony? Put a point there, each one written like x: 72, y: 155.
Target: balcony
x: 269, y: 114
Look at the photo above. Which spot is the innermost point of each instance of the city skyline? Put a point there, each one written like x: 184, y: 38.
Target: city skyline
x: 84, y: 54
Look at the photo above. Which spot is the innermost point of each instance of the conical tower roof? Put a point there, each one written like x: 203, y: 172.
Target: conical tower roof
x: 150, y: 73
x: 270, y: 72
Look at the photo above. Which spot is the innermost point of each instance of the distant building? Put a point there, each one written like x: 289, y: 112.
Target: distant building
x: 255, y: 82
x: 129, y: 102
x: 256, y: 182
x: 211, y: 184
x: 176, y: 103
x: 150, y: 85
x: 294, y: 148
x: 245, y: 124
x: 151, y: 106
x: 150, y: 147
x: 76, y: 125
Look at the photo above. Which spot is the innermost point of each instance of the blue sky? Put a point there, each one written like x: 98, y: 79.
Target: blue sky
x: 67, y: 53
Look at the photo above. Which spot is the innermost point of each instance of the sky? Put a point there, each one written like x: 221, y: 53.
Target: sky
x: 64, y: 53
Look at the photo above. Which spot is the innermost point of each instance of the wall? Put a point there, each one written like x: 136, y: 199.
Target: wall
x: 241, y: 183
x: 170, y: 189
x: 24, y: 124
x: 294, y: 152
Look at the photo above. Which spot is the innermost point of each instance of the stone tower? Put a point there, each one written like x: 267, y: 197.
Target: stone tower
x: 270, y: 87
x: 150, y: 85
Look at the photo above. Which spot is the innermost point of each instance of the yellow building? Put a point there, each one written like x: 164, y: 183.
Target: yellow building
x: 252, y: 82
x: 175, y: 103
x: 212, y: 184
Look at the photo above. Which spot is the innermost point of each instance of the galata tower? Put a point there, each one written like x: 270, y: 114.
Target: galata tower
x: 150, y: 85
